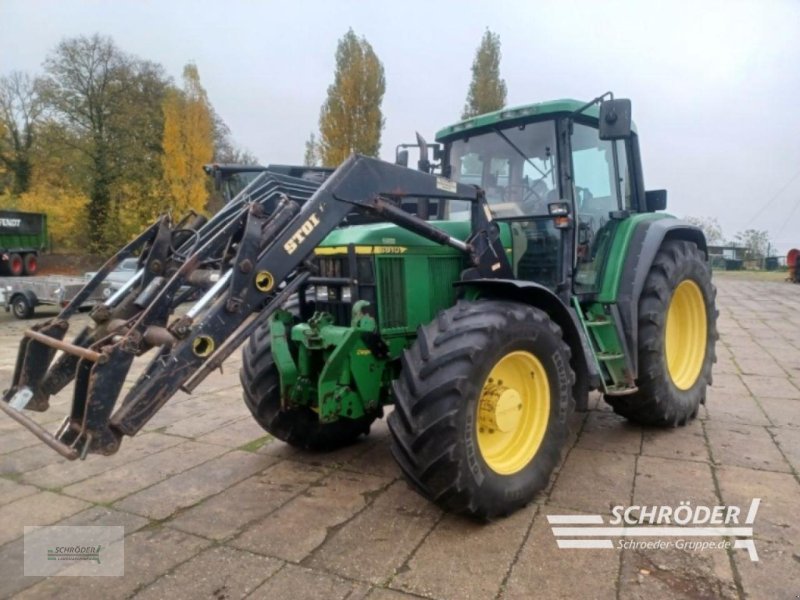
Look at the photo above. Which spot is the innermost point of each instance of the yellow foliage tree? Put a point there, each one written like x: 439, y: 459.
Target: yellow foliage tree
x: 487, y: 90
x: 188, y: 143
x: 351, y: 119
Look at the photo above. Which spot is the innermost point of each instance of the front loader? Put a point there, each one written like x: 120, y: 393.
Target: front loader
x: 484, y: 302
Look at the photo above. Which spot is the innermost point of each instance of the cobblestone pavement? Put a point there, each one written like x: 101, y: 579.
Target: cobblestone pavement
x: 213, y: 508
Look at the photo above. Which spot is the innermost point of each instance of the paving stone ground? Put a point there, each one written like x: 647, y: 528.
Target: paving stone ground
x: 213, y: 508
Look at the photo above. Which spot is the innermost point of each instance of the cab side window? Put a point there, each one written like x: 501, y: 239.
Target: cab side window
x: 597, y: 194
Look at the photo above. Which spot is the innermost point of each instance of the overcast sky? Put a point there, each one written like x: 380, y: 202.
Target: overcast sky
x: 715, y: 85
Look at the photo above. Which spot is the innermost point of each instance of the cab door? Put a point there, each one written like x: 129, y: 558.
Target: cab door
x: 602, y: 197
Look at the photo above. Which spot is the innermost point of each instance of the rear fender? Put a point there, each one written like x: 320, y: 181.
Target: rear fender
x: 645, y: 242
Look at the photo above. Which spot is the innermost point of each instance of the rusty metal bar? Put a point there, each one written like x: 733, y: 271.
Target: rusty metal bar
x: 40, y: 432
x: 65, y: 346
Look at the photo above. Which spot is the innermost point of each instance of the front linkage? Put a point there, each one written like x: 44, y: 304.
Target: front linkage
x: 246, y: 261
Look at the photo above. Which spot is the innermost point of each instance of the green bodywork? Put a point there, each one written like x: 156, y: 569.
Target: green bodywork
x: 329, y: 366
x: 618, y: 252
x: 345, y: 369
x: 326, y: 366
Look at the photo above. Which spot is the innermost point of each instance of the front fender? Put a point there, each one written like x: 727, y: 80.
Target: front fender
x: 543, y: 298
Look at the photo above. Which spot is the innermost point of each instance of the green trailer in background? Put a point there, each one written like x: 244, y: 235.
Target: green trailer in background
x: 22, y: 236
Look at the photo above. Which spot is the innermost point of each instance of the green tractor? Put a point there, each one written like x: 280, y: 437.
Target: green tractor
x: 605, y: 294
x: 483, y: 296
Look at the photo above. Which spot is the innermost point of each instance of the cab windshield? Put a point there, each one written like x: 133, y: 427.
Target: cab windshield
x: 516, y: 167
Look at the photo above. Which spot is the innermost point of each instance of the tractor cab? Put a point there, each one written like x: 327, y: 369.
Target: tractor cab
x: 548, y: 173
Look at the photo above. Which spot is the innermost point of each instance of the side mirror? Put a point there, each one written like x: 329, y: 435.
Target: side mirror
x: 401, y: 158
x: 615, y: 119
x: 217, y: 180
x: 655, y: 199
x: 437, y: 151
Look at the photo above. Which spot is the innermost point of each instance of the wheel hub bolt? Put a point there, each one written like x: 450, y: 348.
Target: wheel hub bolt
x: 500, y: 409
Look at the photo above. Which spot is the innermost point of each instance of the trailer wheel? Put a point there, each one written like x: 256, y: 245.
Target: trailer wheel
x: 22, y: 306
x: 481, y: 407
x: 30, y: 264
x: 299, y: 427
x: 15, y: 265
x: 677, y: 334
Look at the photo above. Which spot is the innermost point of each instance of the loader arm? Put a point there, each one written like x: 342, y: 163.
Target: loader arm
x: 248, y: 259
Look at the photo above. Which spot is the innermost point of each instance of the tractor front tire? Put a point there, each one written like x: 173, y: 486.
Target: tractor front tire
x: 299, y: 427
x: 482, y: 406
x: 677, y: 335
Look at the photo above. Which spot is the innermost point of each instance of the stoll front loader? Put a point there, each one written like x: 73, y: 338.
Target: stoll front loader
x: 484, y: 302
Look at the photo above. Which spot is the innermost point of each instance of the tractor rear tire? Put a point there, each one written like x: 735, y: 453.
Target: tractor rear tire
x: 677, y: 335
x: 299, y: 427
x: 482, y: 406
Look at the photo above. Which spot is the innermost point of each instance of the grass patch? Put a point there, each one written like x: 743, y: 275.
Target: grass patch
x: 255, y: 444
x: 15, y: 477
x: 779, y: 276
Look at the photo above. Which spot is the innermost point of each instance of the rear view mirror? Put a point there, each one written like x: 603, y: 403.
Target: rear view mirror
x: 615, y: 119
x: 656, y: 199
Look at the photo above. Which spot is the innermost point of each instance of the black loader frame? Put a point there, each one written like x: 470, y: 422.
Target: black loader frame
x: 246, y: 261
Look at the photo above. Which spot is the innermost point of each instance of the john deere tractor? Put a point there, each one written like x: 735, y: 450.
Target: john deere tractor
x: 483, y: 295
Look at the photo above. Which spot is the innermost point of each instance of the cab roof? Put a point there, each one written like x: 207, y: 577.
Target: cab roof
x: 505, y: 115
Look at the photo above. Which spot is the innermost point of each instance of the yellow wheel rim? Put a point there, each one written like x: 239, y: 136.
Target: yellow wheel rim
x: 513, y: 411
x: 685, y: 334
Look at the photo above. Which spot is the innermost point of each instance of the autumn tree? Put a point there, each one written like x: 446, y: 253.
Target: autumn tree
x: 106, y: 105
x: 351, y: 119
x: 188, y: 143
x: 311, y: 155
x: 20, y: 110
x: 5, y: 177
x: 85, y: 143
x: 487, y: 90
